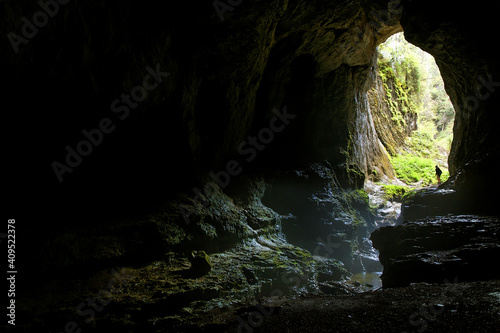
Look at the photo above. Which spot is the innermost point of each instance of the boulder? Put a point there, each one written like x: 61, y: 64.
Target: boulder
x: 439, y: 249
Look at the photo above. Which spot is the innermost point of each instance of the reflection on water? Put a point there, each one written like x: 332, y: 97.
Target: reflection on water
x: 369, y: 281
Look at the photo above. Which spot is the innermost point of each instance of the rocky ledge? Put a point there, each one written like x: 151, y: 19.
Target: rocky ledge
x: 439, y: 249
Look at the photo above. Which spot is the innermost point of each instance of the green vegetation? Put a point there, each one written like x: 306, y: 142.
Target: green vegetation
x: 401, y: 72
x: 413, y: 84
x: 355, y: 204
x: 411, y: 169
x: 402, y: 91
x: 395, y: 192
x: 408, y: 195
x: 418, y: 162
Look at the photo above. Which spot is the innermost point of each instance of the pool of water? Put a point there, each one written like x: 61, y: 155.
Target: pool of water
x: 369, y: 281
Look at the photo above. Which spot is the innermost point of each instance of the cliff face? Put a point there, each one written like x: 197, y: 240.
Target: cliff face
x: 394, y: 120
x: 429, y: 247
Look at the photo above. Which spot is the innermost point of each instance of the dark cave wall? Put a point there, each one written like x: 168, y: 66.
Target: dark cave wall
x: 220, y: 82
x: 224, y: 79
x: 460, y: 37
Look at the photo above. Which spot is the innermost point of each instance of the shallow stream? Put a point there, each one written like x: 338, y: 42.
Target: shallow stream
x: 368, y: 281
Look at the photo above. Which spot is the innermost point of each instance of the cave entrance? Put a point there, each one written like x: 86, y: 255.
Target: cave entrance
x: 420, y: 110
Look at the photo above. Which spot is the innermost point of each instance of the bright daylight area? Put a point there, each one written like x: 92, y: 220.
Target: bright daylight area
x: 410, y: 91
x: 416, y: 81
x: 422, y: 113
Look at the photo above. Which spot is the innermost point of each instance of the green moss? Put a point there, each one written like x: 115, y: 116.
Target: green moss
x: 400, y: 95
x: 200, y: 262
x: 408, y: 195
x: 355, y: 202
x: 395, y: 192
x: 302, y: 254
x: 411, y: 169
x: 355, y: 176
x: 275, y: 258
x: 363, y: 195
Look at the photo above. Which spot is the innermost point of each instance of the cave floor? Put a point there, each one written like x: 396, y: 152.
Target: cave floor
x: 450, y: 307
x: 163, y: 297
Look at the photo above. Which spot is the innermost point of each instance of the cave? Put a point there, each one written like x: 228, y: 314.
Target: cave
x: 204, y: 167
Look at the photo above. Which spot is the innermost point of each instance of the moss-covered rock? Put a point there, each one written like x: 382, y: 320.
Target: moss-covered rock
x: 395, y: 192
x: 392, y: 104
x: 325, y: 218
x: 200, y: 262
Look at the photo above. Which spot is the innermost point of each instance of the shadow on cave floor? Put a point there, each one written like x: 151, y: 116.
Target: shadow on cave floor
x: 456, y: 307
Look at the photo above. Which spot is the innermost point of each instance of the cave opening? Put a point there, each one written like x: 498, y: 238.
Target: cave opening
x: 419, y: 108
x: 408, y: 94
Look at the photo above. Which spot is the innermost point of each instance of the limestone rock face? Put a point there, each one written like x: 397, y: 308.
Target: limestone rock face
x: 220, y: 81
x: 273, y: 86
x: 323, y: 217
x: 392, y: 134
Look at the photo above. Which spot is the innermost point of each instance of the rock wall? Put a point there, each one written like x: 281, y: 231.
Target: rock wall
x: 440, y: 239
x: 147, y: 103
x: 438, y: 249
x: 252, y: 145
x: 393, y: 120
x: 217, y: 84
x: 470, y: 71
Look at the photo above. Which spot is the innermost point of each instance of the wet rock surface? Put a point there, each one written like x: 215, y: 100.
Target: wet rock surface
x: 438, y: 248
x: 387, y: 211
x: 455, y: 307
x: 435, y: 202
x: 327, y: 216
x: 301, y: 232
x: 162, y: 297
